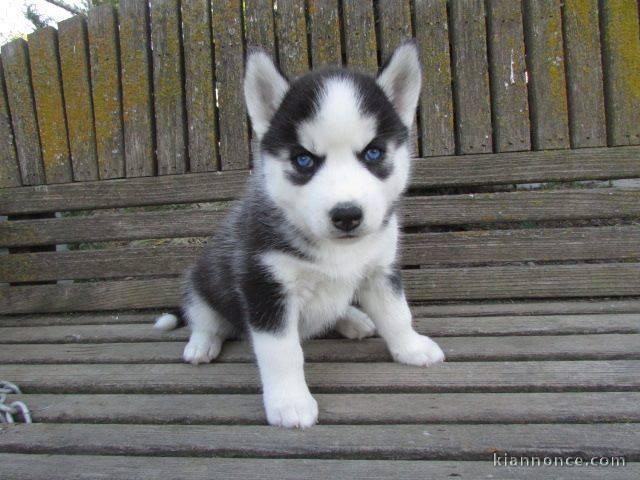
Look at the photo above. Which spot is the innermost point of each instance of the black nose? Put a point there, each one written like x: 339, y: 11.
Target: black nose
x: 346, y: 216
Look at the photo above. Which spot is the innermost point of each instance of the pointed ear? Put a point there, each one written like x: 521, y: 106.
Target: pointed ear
x: 400, y: 79
x: 264, y: 89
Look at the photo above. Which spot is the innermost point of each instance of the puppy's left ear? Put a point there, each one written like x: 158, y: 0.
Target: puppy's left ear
x: 400, y: 79
x: 264, y: 89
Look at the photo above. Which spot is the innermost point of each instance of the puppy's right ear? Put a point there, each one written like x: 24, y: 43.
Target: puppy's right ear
x: 264, y: 89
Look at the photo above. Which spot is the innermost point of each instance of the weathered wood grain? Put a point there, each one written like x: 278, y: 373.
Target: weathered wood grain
x: 507, y: 69
x: 107, y: 96
x: 227, y: 38
x: 9, y: 170
x: 259, y: 25
x: 170, y: 117
x: 341, y: 408
x: 548, y: 281
x: 360, y: 35
x: 457, y: 349
x: 451, y: 248
x: 584, y: 73
x: 102, y: 328
x: 436, y: 126
x: 514, y: 167
x: 621, y: 375
x: 137, y: 95
x: 17, y: 78
x: 325, y: 33
x: 199, y: 86
x: 545, y: 65
x: 394, y: 25
x: 621, y: 61
x: 73, y: 45
x: 49, y: 100
x: 470, y: 77
x: 75, y: 467
x: 291, y: 32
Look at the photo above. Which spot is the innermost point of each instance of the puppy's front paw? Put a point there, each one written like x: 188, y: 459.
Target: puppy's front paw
x: 202, y: 348
x: 293, y: 410
x: 418, y: 350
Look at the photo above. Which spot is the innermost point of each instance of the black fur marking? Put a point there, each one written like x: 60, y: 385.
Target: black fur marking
x: 395, y: 280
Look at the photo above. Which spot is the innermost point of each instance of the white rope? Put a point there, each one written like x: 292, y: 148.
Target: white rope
x: 10, y: 411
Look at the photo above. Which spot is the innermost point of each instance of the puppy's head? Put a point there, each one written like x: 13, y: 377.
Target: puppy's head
x: 334, y: 145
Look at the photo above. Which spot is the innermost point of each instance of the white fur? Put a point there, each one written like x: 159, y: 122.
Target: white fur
x: 208, y: 331
x: 355, y: 325
x: 166, y: 322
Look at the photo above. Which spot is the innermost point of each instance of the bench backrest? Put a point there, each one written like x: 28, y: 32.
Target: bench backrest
x: 123, y: 136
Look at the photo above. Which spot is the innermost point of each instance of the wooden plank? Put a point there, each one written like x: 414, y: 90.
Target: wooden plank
x: 457, y: 349
x: 342, y: 408
x: 548, y: 281
x: 434, y: 172
x: 436, y: 101
x: 49, y: 100
x: 137, y: 96
x: 620, y: 375
x: 73, y: 45
x: 17, y: 77
x: 75, y: 467
x: 199, y: 91
x: 581, y: 31
x: 470, y: 77
x: 107, y: 98
x: 507, y: 68
x: 9, y: 169
x: 394, y: 24
x: 621, y: 61
x: 447, y: 210
x: 170, y: 118
x: 545, y: 65
x: 325, y: 33
x: 113, y: 330
x: 229, y: 62
x: 450, y: 248
x: 291, y: 32
x: 360, y: 36
x: 259, y: 25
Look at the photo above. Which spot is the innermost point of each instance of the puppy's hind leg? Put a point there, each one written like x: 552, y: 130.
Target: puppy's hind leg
x: 355, y: 324
x: 208, y: 330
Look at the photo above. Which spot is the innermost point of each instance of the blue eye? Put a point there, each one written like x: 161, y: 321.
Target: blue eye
x: 372, y: 155
x: 304, y: 161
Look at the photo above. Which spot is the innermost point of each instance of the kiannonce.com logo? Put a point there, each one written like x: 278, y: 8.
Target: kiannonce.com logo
x: 506, y: 460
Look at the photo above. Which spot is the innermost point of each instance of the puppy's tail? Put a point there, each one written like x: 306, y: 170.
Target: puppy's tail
x: 169, y: 321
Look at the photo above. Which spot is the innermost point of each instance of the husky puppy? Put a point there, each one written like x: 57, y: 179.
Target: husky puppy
x: 316, y: 230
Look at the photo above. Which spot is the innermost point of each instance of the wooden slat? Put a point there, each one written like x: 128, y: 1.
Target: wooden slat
x: 545, y: 65
x: 475, y: 247
x: 259, y: 25
x: 549, y: 281
x: 107, y: 98
x: 9, y: 170
x: 103, y: 328
x: 394, y: 24
x: 17, y: 77
x: 621, y: 375
x: 341, y: 408
x: 584, y: 73
x: 457, y: 349
x: 170, y: 118
x: 470, y: 77
x: 507, y: 68
x: 360, y: 35
x: 47, y: 90
x: 515, y: 167
x: 137, y: 96
x: 72, y: 467
x: 227, y: 39
x: 76, y: 81
x: 440, y: 210
x: 291, y: 30
x: 621, y: 59
x: 325, y: 33
x: 436, y: 102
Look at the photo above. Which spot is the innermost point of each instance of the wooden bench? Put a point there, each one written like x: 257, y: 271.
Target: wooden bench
x: 521, y: 249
